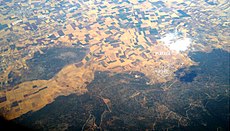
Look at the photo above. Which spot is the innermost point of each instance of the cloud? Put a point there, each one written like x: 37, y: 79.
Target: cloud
x: 176, y: 42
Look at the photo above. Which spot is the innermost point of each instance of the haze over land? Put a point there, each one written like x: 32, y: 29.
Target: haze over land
x: 134, y: 49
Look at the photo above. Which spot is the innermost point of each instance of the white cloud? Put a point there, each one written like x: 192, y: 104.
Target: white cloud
x: 175, y: 42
